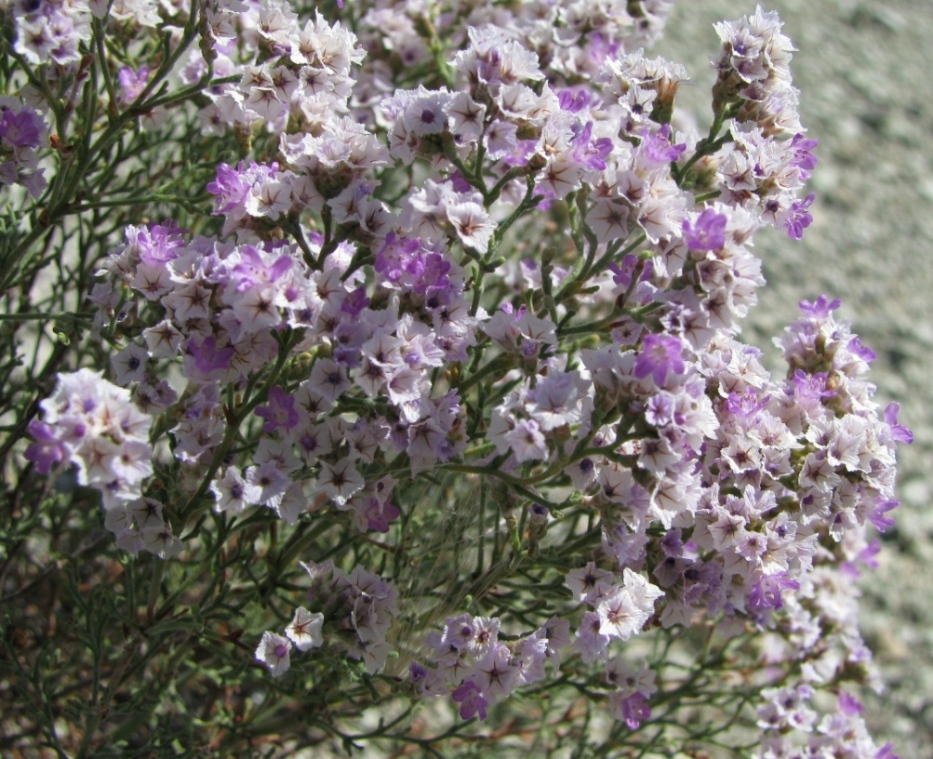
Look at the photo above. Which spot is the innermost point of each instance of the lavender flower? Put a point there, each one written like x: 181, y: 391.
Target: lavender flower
x: 486, y: 317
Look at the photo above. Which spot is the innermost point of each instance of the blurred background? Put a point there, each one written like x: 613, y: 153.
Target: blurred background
x: 863, y: 69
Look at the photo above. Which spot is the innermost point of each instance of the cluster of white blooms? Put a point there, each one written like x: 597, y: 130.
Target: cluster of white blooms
x: 754, y: 73
x: 51, y: 31
x: 94, y: 425
x: 469, y: 662
x: 338, y: 331
x: 303, y: 632
x: 354, y: 611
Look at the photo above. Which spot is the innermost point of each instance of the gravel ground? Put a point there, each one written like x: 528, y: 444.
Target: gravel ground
x: 863, y: 69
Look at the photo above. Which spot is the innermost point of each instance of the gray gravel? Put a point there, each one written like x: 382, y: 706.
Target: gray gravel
x: 864, y: 72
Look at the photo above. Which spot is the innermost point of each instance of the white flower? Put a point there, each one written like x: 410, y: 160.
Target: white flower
x: 133, y: 462
x: 164, y: 340
x: 589, y: 583
x: 561, y: 177
x: 619, y: 616
x: 608, y: 218
x: 305, y: 629
x: 230, y: 491
x: 473, y: 225
x: 273, y: 651
x: 559, y: 398
x: 160, y: 541
x: 265, y: 485
x: 340, y: 480
x: 294, y: 503
x: 374, y: 654
x: 328, y: 379
x: 643, y: 593
x: 147, y: 513
x: 465, y: 116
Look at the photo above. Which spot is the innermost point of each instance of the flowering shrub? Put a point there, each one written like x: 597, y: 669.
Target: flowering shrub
x: 395, y: 347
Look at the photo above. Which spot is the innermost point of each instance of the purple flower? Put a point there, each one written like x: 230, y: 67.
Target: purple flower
x: 471, y: 700
x: 590, y: 153
x: 811, y: 386
x: 393, y: 258
x: 820, y: 308
x: 798, y: 219
x: 660, y: 354
x: 767, y: 592
x: 355, y: 302
x: 622, y: 273
x: 747, y: 404
x: 573, y: 100
x: 418, y: 676
x: 866, y: 556
x: 898, y: 431
x: 380, y: 515
x: 417, y: 673
x: 132, y: 82
x: 861, y: 350
x: 672, y: 544
x: 21, y: 130
x: 252, y: 271
x: 635, y: 710
x: 600, y: 48
x: 709, y: 232
x: 459, y: 184
x: 156, y: 242
x: 230, y: 188
x: 849, y: 705
x: 48, y: 450
x: 878, y: 515
x: 803, y: 156
x: 280, y: 413
x: 657, y: 145
x: 428, y: 273
x: 208, y: 358
x: 520, y: 157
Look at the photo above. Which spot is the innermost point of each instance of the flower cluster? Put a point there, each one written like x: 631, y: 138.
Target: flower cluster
x: 785, y: 717
x: 495, y: 259
x: 355, y: 610
x: 52, y: 32
x: 754, y: 84
x: 94, y: 425
x: 22, y: 132
x: 476, y: 669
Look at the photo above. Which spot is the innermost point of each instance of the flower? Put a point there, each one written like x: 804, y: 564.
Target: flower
x: 305, y: 629
x: 280, y: 412
x: 707, y: 233
x: 129, y: 364
x: 471, y: 699
x: 632, y: 709
x: 660, y: 356
x: 48, y: 450
x: 23, y: 129
x: 472, y: 224
x: 586, y: 379
x: 274, y: 653
x: 208, y: 359
x: 132, y: 82
x: 797, y: 218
